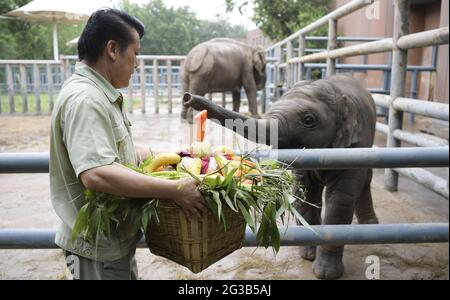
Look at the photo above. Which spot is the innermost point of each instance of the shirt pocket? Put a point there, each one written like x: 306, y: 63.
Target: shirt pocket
x: 120, y: 133
x: 120, y: 138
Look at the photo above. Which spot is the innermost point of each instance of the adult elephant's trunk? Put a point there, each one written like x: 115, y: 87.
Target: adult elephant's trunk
x: 255, y: 130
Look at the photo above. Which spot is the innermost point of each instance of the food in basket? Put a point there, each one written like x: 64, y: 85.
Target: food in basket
x: 239, y: 191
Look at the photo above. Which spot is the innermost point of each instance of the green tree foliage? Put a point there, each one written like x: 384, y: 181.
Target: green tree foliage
x: 174, y: 31
x: 26, y: 40
x: 168, y: 31
x: 280, y: 18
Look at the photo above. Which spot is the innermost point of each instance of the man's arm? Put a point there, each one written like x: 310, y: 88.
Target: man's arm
x: 118, y: 180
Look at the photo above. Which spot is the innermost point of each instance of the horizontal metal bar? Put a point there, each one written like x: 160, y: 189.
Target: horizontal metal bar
x: 27, y: 62
x: 427, y: 179
x: 24, y: 162
x: 344, y: 38
x: 424, y: 39
x: 383, y: 45
x: 347, y: 158
x: 383, y: 128
x: 381, y: 100
x: 412, y: 138
x: 144, y: 57
x: 336, y: 14
x: 373, y: 67
x: 161, y: 57
x: 271, y: 59
x: 360, y: 158
x: 420, y: 140
x: 291, y: 236
x: 425, y: 108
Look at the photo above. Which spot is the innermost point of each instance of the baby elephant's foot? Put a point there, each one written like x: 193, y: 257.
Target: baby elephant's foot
x: 368, y: 220
x: 308, y: 252
x: 328, y: 265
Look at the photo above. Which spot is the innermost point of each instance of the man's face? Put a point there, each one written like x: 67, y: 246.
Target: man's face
x: 126, y: 63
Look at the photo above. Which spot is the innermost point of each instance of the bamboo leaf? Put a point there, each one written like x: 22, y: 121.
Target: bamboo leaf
x: 275, y: 237
x: 247, y: 216
x: 80, y: 223
x: 301, y: 219
x: 228, y: 200
x: 216, y: 198
x: 145, y: 219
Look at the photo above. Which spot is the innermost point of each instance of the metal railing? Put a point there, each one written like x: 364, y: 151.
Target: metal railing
x: 14, y: 238
x: 18, y: 238
x: 396, y: 103
x: 159, y: 78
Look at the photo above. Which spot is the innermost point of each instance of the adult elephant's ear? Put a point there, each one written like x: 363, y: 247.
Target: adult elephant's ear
x: 196, y: 58
x: 259, y: 61
x: 348, y: 126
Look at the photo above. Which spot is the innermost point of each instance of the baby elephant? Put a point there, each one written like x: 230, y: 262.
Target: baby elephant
x: 336, y: 112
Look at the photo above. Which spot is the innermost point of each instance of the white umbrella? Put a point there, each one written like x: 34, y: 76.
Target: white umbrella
x: 61, y: 11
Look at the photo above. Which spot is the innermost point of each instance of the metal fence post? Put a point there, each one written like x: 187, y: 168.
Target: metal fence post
x: 413, y: 95
x: 301, y: 52
x: 130, y: 94
x: 37, y: 87
x: 156, y: 85
x: 288, y: 65
x: 399, y: 61
x: 10, y: 87
x: 49, y: 86
x: 331, y: 63
x: 23, y: 88
x: 142, y: 78
x: 64, y: 65
x: 169, y: 85
x: 224, y: 100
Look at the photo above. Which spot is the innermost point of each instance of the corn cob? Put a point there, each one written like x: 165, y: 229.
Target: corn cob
x: 162, y: 159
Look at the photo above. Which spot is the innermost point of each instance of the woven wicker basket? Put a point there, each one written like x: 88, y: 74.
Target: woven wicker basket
x: 195, y: 244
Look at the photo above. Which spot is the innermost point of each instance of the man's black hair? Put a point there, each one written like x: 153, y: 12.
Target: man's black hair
x: 104, y: 25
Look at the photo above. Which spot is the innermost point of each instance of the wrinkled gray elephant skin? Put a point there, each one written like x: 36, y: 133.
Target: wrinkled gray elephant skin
x: 336, y: 112
x: 223, y: 65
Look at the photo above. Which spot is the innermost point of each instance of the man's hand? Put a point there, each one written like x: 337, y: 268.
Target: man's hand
x: 189, y: 198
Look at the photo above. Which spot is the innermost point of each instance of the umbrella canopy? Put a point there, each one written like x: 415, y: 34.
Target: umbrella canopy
x: 61, y: 11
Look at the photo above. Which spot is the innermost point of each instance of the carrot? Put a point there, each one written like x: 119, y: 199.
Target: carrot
x: 244, y: 161
x: 200, y: 125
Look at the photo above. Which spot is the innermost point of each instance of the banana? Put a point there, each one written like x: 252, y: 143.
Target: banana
x: 162, y: 159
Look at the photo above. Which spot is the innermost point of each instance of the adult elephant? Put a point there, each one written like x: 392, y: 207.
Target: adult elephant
x: 330, y: 113
x: 221, y: 65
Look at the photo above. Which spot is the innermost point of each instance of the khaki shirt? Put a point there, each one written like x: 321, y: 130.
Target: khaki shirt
x: 89, y: 128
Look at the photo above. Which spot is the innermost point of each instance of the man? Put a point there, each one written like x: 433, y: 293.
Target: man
x: 91, y: 140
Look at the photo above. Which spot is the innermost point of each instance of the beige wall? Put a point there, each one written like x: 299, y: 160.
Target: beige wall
x: 441, y: 91
x: 256, y: 38
x: 422, y: 17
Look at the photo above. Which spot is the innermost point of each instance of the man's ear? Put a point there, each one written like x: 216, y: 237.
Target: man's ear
x: 112, y: 50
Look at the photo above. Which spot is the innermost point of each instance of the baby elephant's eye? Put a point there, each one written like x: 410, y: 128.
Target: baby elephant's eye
x: 309, y: 121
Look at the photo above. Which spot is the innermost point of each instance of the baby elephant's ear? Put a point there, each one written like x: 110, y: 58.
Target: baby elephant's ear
x: 348, y: 129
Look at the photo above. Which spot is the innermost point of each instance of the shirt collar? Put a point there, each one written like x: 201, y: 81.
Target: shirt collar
x: 84, y: 70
